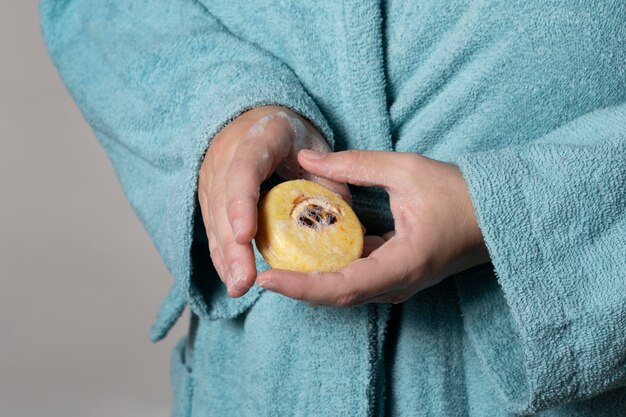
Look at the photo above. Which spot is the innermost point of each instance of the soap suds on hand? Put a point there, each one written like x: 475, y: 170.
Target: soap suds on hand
x: 301, y: 139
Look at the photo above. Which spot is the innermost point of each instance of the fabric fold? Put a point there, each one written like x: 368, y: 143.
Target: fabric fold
x: 552, y: 327
x: 156, y: 87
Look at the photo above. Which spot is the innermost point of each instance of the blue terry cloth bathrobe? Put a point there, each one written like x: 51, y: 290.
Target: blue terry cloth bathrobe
x: 527, y: 97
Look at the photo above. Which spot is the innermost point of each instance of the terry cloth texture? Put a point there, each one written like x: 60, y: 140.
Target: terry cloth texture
x: 528, y: 98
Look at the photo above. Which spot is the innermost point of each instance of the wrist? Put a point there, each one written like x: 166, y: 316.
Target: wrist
x: 474, y: 250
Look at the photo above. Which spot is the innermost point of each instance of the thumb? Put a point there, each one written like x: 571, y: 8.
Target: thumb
x: 364, y: 168
x: 340, y: 188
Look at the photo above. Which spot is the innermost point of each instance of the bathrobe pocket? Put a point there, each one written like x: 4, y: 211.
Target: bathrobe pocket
x: 221, y: 306
x: 215, y: 303
x: 207, y: 298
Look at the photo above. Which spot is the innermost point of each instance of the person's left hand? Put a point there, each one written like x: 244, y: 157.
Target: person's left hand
x: 436, y: 234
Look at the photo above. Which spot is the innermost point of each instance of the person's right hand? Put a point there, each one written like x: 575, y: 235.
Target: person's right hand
x: 247, y: 151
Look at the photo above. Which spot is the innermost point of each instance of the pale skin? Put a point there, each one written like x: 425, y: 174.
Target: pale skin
x: 436, y: 233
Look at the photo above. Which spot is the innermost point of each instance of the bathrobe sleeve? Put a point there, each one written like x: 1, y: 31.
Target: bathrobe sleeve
x: 156, y: 80
x: 552, y: 327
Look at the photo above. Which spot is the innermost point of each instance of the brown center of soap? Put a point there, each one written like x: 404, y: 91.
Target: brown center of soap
x: 315, y: 212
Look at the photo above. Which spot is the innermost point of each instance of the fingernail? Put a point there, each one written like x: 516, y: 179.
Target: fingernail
x: 237, y: 275
x: 311, y: 155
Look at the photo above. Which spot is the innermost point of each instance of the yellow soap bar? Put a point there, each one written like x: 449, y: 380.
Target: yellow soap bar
x: 303, y: 226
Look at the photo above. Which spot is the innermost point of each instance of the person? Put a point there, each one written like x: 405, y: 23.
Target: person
x: 482, y: 145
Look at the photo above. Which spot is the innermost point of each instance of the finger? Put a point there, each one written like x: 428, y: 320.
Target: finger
x: 385, y: 270
x: 370, y: 244
x: 392, y: 297
x: 254, y: 161
x: 214, y: 250
x: 238, y: 259
x: 217, y: 258
x: 365, y: 168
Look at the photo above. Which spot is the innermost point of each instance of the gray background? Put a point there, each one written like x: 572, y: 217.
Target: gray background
x: 80, y: 282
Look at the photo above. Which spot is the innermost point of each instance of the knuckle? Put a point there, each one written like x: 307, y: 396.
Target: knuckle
x: 301, y: 295
x: 230, y: 248
x: 233, y: 206
x: 406, y: 160
x: 398, y: 299
x: 354, y: 156
x: 406, y: 168
x: 235, y: 200
x: 242, y: 181
x: 348, y: 299
x: 403, y: 280
x: 422, y: 263
x: 407, y: 276
x: 423, y: 269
